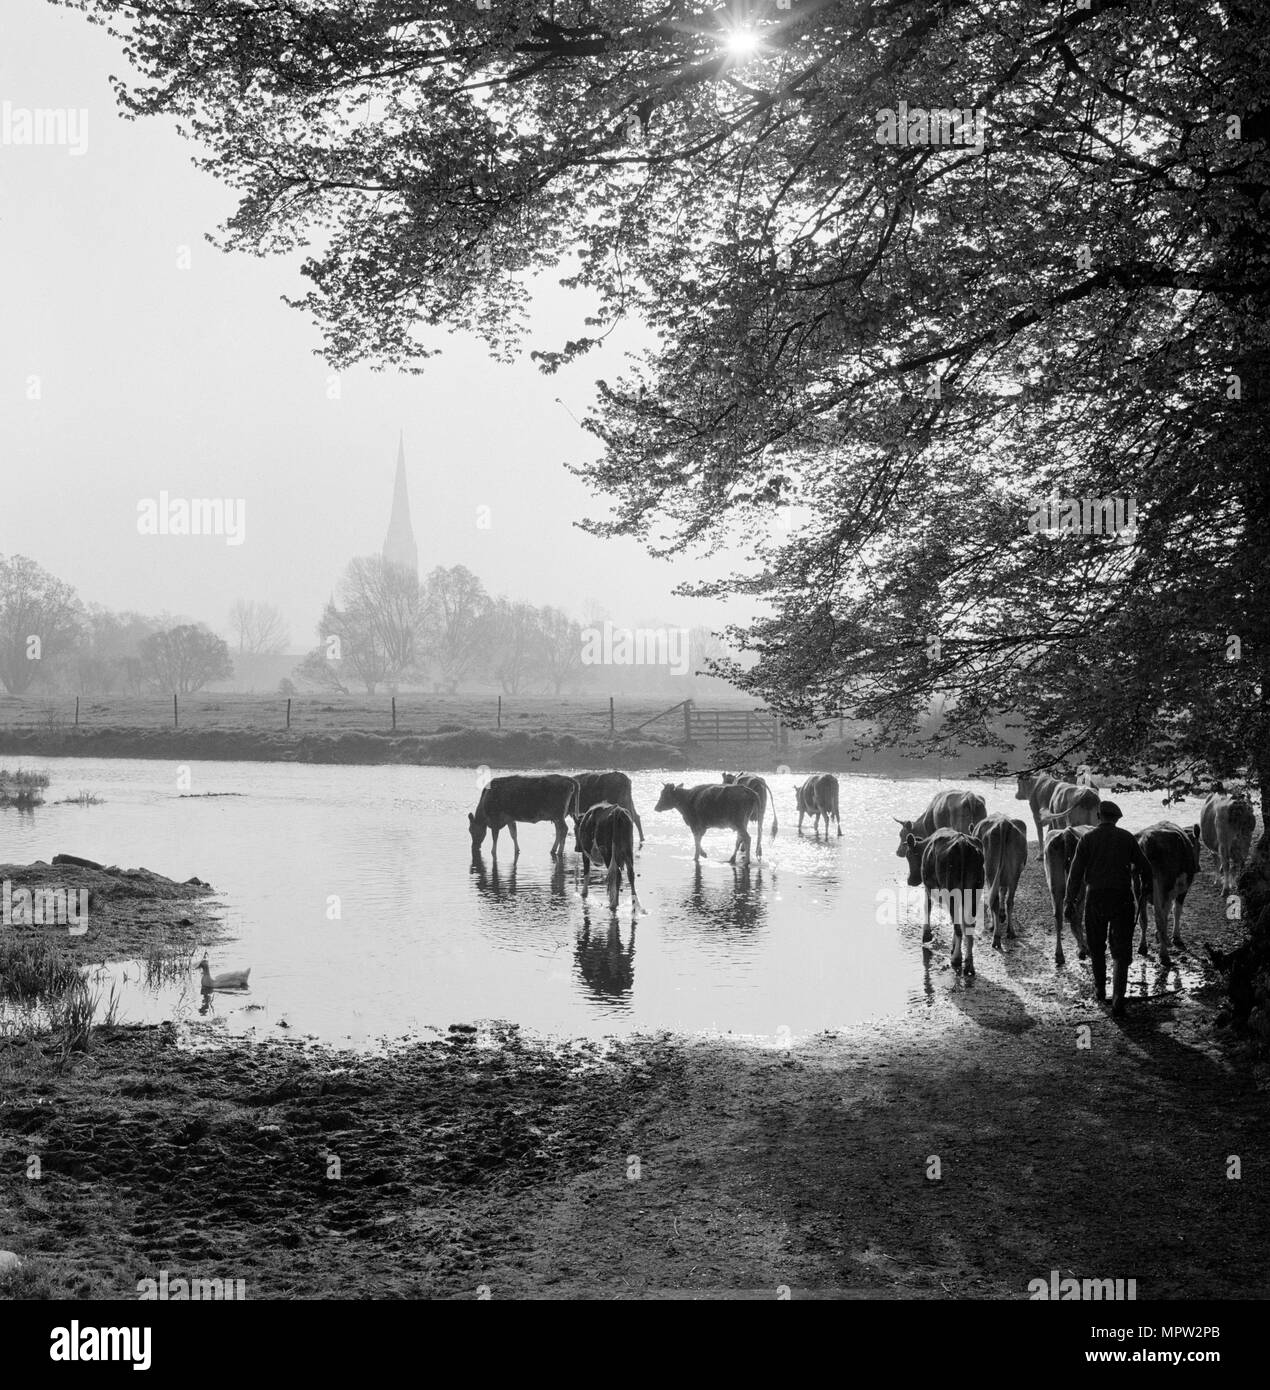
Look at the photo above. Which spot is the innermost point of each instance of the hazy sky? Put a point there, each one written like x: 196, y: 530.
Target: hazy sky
x: 200, y: 382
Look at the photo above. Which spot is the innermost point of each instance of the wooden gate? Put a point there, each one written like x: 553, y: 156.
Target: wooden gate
x: 730, y: 726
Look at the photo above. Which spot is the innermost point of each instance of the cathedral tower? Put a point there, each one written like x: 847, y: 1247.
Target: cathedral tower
x: 399, y: 543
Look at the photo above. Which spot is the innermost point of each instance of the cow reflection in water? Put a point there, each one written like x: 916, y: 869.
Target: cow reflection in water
x: 718, y: 900
x: 502, y: 885
x: 603, y: 962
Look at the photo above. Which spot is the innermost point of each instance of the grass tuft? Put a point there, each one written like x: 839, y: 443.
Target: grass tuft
x: 32, y: 969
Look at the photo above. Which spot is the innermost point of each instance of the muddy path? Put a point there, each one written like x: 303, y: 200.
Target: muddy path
x: 669, y: 1167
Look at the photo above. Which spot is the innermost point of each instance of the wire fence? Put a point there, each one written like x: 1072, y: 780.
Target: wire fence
x: 739, y: 721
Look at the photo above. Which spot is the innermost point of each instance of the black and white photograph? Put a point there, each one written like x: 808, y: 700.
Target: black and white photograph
x: 634, y: 666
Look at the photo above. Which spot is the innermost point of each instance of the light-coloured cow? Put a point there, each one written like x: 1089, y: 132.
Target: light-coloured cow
x: 1004, y: 842
x: 1173, y: 854
x: 949, y: 866
x: 1226, y: 825
x: 1060, y: 850
x: 950, y: 810
x: 1039, y: 790
x: 1072, y: 805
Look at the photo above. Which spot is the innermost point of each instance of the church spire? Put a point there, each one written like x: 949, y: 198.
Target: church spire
x: 399, y: 543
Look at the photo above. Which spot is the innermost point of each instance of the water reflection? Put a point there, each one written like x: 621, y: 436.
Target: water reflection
x: 724, y: 902
x: 1148, y: 979
x: 928, y: 983
x: 502, y: 884
x: 605, y: 966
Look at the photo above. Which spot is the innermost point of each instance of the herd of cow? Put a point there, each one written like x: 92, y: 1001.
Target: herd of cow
x: 956, y: 851
x: 605, y: 820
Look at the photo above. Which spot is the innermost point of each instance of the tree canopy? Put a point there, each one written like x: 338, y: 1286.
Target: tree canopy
x: 184, y: 659
x: 906, y: 268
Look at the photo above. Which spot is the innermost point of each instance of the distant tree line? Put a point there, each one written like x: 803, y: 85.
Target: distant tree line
x: 382, y: 629
x: 385, y: 628
x: 50, y: 641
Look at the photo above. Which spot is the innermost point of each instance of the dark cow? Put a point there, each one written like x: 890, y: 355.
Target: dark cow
x: 818, y: 796
x: 1004, y: 842
x: 1226, y: 824
x: 606, y: 835
x: 613, y: 787
x: 1076, y: 803
x: 507, y: 800
x: 765, y: 798
x: 711, y: 807
x: 951, y: 810
x: 1059, y: 851
x: 949, y: 864
x: 1173, y: 854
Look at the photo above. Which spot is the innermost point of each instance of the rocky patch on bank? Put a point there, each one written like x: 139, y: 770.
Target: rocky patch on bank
x: 129, y: 911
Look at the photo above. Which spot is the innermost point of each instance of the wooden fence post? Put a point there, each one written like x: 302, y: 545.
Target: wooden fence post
x: 288, y: 711
x: 610, y: 716
x: 77, y: 711
x: 687, y: 721
x: 394, y: 714
x: 500, y: 711
x: 175, y: 721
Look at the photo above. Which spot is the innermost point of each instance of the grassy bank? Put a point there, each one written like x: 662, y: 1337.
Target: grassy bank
x: 130, y: 911
x: 58, y: 920
x: 671, y: 1167
x: 457, y: 748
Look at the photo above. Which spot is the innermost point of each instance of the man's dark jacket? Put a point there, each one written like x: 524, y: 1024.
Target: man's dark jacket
x: 1103, y: 864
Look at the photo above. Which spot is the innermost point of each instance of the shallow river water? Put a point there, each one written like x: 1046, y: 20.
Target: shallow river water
x: 801, y: 941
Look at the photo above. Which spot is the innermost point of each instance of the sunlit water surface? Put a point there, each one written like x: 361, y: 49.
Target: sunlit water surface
x: 352, y: 894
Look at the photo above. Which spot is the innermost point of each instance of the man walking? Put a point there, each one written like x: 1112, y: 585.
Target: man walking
x: 1103, y: 864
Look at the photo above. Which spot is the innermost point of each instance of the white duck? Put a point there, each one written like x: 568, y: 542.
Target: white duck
x: 231, y: 979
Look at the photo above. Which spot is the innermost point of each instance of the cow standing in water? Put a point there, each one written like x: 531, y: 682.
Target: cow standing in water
x: 507, y: 800
x: 613, y: 787
x: 949, y: 866
x: 606, y: 835
x: 710, y: 807
x: 818, y: 796
x: 760, y: 788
